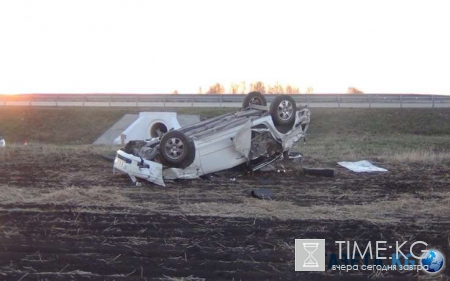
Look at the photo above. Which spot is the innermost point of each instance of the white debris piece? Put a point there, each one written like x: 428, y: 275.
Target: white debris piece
x: 363, y: 166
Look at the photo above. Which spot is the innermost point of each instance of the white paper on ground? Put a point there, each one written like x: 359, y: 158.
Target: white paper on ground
x: 363, y: 166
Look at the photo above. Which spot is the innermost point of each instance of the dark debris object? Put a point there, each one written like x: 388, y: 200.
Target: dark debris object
x: 319, y: 172
x: 262, y: 194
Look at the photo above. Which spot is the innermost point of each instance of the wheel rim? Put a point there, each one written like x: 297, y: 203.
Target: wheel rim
x: 256, y: 101
x: 174, y: 148
x: 285, y: 110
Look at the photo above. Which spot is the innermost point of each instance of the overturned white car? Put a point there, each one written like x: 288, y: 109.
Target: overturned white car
x: 256, y: 135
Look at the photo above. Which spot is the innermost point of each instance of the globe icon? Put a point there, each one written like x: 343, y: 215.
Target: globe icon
x: 433, y: 261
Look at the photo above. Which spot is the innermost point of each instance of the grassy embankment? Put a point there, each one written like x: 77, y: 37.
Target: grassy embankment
x: 411, y: 135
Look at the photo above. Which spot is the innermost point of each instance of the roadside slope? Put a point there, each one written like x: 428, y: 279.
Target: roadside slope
x: 85, y: 125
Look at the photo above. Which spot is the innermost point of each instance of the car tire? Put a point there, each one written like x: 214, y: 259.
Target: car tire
x: 254, y: 98
x: 282, y: 110
x: 177, y: 150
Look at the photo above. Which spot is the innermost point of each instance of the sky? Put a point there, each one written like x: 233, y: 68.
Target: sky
x: 152, y: 46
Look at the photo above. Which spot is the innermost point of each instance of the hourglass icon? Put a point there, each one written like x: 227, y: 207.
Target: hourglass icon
x: 310, y: 260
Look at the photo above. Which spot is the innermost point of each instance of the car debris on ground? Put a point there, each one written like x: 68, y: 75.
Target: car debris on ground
x: 320, y: 172
x: 265, y: 194
x: 257, y: 135
x: 363, y: 166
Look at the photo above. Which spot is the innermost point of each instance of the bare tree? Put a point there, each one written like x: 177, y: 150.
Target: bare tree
x: 216, y: 89
x: 353, y: 90
x: 175, y: 92
x: 276, y: 89
x: 288, y: 89
x: 242, y: 87
x: 292, y: 90
x: 309, y: 90
x: 258, y: 87
x: 234, y: 88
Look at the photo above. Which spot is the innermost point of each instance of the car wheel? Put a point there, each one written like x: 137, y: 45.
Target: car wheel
x: 177, y: 150
x: 282, y: 110
x: 254, y: 98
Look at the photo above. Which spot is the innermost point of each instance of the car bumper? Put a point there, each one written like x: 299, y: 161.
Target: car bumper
x: 138, y: 167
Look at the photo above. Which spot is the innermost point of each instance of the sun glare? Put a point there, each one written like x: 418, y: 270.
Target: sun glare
x: 111, y: 46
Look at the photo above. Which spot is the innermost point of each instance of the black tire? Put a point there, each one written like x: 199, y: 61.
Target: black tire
x: 254, y: 98
x: 282, y: 110
x: 177, y: 150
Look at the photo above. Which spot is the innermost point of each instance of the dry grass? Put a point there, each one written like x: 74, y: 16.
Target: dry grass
x: 71, y: 196
x: 389, y: 211
x: 398, y: 149
x: 437, y: 205
x: 35, y: 151
x: 420, y: 156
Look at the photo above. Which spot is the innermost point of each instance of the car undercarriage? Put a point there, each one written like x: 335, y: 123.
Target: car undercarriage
x: 254, y: 136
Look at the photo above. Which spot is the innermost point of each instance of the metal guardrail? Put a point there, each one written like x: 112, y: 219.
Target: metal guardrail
x: 226, y: 100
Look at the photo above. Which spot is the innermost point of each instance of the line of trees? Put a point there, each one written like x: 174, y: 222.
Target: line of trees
x: 277, y: 88
x: 241, y: 88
